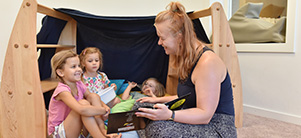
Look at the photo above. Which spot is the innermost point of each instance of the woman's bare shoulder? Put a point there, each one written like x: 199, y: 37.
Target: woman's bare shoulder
x: 210, y: 64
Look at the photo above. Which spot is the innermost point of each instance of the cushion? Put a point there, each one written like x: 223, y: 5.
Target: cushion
x: 122, y: 88
x: 118, y: 83
x: 123, y: 106
x: 248, y: 27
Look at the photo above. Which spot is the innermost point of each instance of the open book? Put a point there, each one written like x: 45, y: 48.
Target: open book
x: 128, y: 121
x: 107, y: 94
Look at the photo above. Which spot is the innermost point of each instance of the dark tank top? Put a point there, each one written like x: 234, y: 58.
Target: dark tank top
x: 225, y: 104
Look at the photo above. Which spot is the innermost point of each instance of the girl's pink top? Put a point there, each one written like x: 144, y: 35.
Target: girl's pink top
x: 58, y: 110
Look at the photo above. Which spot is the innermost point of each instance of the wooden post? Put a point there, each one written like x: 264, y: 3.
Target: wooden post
x: 224, y: 46
x: 22, y: 109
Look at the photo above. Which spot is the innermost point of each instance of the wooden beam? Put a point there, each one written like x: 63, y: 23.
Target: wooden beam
x: 49, y: 84
x: 200, y: 13
x: 53, y: 13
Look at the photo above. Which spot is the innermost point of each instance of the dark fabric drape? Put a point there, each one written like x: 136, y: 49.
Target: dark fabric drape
x: 129, y: 44
x: 49, y: 34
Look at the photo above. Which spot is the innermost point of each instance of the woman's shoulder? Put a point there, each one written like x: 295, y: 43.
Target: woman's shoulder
x: 209, y: 63
x: 209, y: 58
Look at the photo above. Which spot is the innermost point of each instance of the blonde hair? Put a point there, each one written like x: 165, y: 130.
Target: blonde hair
x: 59, y: 60
x: 90, y: 50
x: 159, y: 87
x: 179, y: 22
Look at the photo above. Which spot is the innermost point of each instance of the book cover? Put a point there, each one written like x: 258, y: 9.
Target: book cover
x: 178, y: 103
x: 128, y: 121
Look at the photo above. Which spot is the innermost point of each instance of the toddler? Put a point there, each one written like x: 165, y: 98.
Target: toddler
x: 94, y: 79
x: 150, y: 87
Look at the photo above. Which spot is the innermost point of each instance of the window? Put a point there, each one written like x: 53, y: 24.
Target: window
x: 289, y: 11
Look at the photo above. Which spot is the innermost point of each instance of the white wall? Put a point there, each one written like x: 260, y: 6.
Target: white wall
x: 270, y: 80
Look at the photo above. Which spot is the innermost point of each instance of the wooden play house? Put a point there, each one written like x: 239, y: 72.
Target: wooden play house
x: 22, y: 109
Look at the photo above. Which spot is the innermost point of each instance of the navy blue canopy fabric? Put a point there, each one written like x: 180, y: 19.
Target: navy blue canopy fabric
x: 129, y: 44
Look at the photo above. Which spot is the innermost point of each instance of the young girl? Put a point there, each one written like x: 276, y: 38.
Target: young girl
x: 73, y: 109
x: 91, y: 63
x: 150, y: 87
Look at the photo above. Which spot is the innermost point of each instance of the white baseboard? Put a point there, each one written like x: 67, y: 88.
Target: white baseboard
x: 295, y: 119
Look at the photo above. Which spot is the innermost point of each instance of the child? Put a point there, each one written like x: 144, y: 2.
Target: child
x: 150, y: 87
x: 73, y: 110
x: 91, y: 63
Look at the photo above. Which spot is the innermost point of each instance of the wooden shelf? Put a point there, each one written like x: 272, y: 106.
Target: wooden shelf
x: 49, y: 84
x: 55, y: 46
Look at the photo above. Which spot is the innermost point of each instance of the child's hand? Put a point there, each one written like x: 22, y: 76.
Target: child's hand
x: 106, y: 86
x: 149, y: 92
x: 148, y: 100
x: 132, y: 84
x: 115, y: 86
x: 106, y: 115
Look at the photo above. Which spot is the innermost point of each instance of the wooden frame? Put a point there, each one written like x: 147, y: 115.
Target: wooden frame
x: 22, y: 106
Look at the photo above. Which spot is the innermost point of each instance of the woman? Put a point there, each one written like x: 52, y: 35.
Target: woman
x: 209, y: 111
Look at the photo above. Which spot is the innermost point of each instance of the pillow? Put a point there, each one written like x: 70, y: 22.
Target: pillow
x: 122, y: 88
x: 123, y: 106
x: 118, y: 83
x: 248, y: 27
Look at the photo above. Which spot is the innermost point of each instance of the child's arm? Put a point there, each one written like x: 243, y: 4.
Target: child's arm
x: 157, y: 99
x: 95, y: 100
x: 126, y: 93
x: 85, y: 109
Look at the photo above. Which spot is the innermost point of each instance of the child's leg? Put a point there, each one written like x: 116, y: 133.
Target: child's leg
x: 91, y: 124
x: 73, y: 125
x: 94, y: 100
x: 101, y: 124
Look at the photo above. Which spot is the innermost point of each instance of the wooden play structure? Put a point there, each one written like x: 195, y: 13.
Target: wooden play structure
x: 22, y: 109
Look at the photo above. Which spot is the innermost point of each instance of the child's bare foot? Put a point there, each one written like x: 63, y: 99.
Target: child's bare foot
x: 115, y: 135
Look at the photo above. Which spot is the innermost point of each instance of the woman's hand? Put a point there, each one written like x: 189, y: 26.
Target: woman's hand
x: 148, y: 100
x: 161, y: 112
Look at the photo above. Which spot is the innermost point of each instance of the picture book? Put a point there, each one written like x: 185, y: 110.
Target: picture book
x: 128, y: 121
